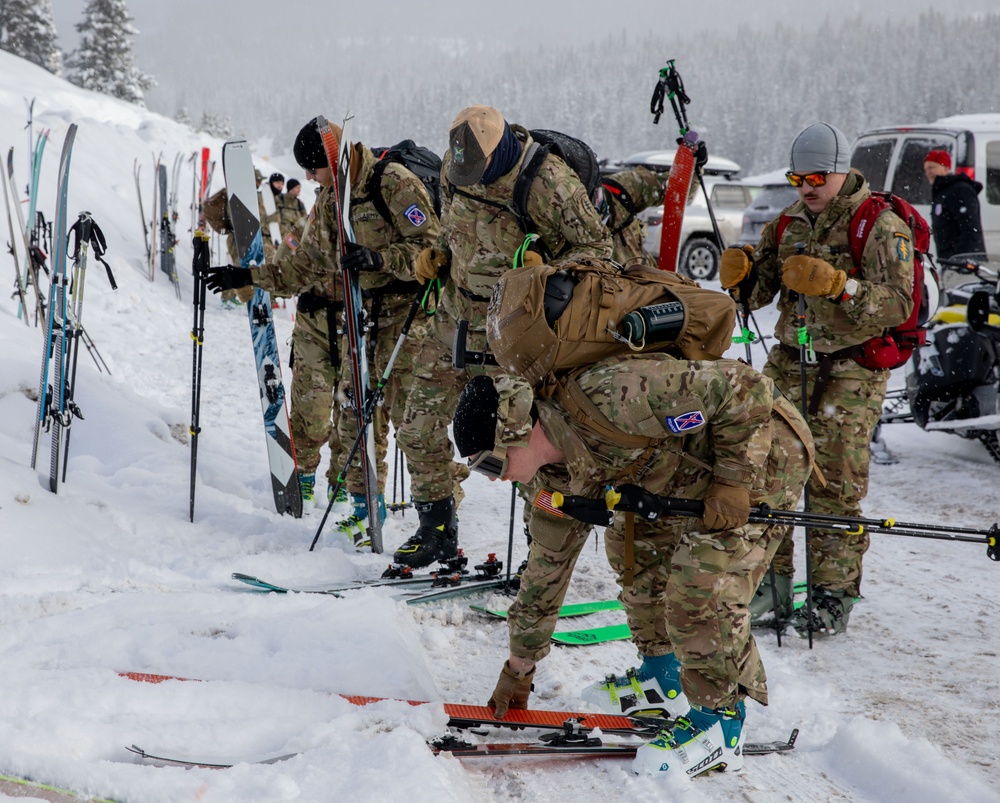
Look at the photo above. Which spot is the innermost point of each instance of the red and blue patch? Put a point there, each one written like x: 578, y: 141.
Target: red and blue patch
x: 685, y: 421
x: 415, y: 215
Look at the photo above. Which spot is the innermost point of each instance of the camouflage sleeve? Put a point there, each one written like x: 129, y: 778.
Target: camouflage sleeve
x: 310, y: 266
x: 736, y: 402
x: 413, y: 216
x: 644, y: 186
x: 767, y: 266
x: 559, y: 205
x: 884, y: 294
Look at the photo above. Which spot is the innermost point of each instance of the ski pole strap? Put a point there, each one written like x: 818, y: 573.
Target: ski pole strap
x: 433, y: 291
x: 670, y: 85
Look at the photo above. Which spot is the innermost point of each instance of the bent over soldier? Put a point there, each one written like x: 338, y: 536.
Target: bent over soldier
x: 711, y: 430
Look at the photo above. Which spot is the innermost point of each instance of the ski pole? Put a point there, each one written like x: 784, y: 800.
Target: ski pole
x: 200, y: 263
x: 633, y: 499
x: 368, y: 411
x: 510, y: 535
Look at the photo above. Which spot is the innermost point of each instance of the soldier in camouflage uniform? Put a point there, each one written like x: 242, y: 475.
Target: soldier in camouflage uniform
x: 845, y: 306
x: 292, y: 211
x: 628, y: 192
x: 716, y: 431
x: 383, y: 254
x: 478, y: 240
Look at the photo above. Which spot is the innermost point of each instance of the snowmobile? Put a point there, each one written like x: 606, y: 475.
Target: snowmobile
x: 953, y: 382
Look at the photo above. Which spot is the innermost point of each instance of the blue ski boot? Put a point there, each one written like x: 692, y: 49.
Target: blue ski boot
x: 355, y: 526
x: 654, y: 689
x: 704, y: 739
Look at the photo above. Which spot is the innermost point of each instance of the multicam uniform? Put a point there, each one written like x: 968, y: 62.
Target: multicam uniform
x: 678, y: 427
x: 628, y: 193
x: 312, y: 266
x: 481, y: 240
x: 850, y: 405
x: 291, y: 212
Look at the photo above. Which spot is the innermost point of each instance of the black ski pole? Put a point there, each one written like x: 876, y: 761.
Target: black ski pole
x: 510, y: 536
x: 200, y: 263
x: 369, y: 410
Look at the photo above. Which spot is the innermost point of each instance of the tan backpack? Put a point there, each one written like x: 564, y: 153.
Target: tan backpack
x: 544, y: 321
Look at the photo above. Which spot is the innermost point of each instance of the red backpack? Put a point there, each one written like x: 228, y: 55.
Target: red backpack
x: 894, y: 348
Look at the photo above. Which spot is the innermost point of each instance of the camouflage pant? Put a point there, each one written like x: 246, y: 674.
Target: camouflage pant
x: 430, y: 406
x: 314, y: 378
x: 394, y: 309
x: 842, y: 430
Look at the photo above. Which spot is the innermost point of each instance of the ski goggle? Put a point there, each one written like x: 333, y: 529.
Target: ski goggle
x: 812, y: 179
x: 488, y: 464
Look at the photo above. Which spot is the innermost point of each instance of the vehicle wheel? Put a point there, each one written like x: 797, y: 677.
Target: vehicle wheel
x: 699, y: 259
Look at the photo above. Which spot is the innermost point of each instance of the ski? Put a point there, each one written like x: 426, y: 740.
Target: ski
x: 565, y: 612
x: 52, y: 412
x: 271, y: 209
x: 451, y: 580
x: 21, y: 787
x: 136, y: 170
x: 167, y: 242
x: 32, y: 260
x: 207, y: 762
x: 241, y: 189
x: 338, y: 156
x: 15, y: 235
x: 592, y: 635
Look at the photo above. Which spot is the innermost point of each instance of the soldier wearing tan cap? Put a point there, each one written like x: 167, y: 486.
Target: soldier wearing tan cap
x: 479, y: 237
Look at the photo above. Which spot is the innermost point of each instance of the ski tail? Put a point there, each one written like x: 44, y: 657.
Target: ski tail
x: 675, y: 200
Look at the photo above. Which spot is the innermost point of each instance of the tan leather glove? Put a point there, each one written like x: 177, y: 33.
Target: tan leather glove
x: 245, y: 294
x: 726, y: 506
x: 812, y: 276
x: 512, y: 691
x: 429, y: 264
x: 532, y: 259
x: 734, y: 265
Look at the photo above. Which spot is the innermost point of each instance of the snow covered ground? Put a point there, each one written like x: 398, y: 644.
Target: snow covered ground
x: 109, y: 576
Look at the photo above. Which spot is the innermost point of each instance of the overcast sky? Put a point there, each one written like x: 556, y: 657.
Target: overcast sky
x: 166, y: 25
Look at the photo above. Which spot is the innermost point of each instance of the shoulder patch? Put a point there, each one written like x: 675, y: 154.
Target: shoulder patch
x: 415, y: 215
x: 685, y: 422
x: 903, y: 250
x: 543, y: 501
x: 291, y: 242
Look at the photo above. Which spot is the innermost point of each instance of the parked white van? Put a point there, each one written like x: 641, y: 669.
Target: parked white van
x: 893, y: 159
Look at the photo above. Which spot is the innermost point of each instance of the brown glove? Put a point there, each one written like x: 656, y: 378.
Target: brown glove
x: 532, y: 259
x: 512, y: 691
x: 812, y: 276
x: 245, y: 294
x: 735, y: 265
x: 429, y: 264
x: 726, y: 506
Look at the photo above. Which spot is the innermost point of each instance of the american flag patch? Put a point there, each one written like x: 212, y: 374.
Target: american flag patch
x: 685, y: 421
x: 291, y: 242
x: 415, y: 216
x: 543, y: 501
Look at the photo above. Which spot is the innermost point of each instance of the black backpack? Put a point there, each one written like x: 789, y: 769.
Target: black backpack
x: 421, y: 161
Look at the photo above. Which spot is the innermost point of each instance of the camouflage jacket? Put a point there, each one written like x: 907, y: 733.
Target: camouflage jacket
x: 291, y: 212
x: 481, y: 238
x: 705, y: 421
x: 313, y: 264
x: 885, y: 277
x: 642, y: 188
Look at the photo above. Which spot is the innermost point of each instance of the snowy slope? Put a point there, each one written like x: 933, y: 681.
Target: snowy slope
x: 109, y: 575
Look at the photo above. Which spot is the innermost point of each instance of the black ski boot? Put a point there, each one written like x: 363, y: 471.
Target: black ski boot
x: 436, y: 539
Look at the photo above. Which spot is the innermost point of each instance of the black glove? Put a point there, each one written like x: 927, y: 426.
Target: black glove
x: 700, y: 154
x: 361, y: 258
x: 227, y: 278
x: 639, y: 501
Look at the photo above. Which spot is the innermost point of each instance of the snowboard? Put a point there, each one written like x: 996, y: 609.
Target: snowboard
x: 241, y: 190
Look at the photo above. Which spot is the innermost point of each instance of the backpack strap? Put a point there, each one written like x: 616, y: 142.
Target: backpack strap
x: 522, y: 186
x: 862, y: 223
x: 623, y: 197
x: 581, y: 409
x: 373, y: 189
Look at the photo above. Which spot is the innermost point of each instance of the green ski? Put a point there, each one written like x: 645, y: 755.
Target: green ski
x: 565, y: 612
x: 592, y: 635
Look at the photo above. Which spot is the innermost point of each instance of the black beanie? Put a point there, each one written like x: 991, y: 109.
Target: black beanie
x: 276, y: 177
x: 292, y: 184
x: 308, y: 149
x: 475, y: 421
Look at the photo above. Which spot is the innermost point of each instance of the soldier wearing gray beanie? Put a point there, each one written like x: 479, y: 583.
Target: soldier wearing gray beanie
x: 820, y: 148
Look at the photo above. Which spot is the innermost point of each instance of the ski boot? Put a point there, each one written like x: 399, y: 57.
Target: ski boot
x: 652, y: 690
x: 436, y: 539
x: 342, y: 498
x: 762, y: 604
x: 307, y: 487
x: 703, y: 739
x: 355, y: 526
x: 831, y: 611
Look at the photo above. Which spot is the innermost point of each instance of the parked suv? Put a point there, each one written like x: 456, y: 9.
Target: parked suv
x: 893, y: 159
x: 700, y: 249
x: 776, y: 195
